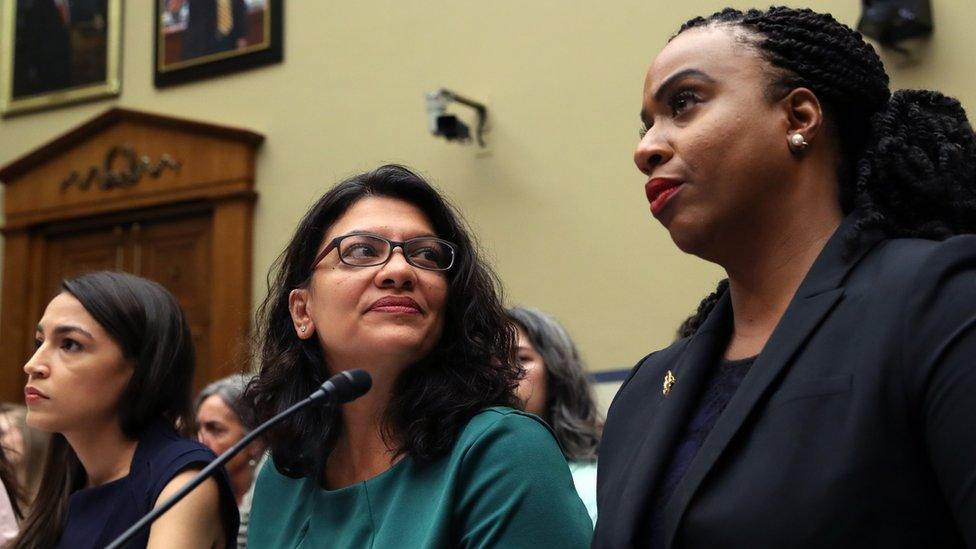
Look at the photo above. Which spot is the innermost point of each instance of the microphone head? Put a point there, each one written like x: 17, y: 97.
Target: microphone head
x: 350, y: 385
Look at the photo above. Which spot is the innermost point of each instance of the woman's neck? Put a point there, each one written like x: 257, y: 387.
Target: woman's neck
x: 763, y: 282
x: 241, y: 481
x: 361, y: 451
x: 104, y: 452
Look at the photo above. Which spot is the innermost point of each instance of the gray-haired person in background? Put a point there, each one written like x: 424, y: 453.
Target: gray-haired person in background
x: 557, y: 389
x: 222, y: 420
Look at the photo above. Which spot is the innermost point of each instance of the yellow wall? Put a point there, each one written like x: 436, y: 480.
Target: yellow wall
x: 556, y: 201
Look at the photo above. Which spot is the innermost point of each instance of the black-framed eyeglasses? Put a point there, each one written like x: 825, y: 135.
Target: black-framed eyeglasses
x: 369, y: 250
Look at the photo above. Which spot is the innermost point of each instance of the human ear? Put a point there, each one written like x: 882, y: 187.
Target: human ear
x: 298, y: 308
x: 804, y: 114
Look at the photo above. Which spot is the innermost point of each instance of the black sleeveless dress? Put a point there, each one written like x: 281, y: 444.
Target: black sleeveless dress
x: 97, y: 515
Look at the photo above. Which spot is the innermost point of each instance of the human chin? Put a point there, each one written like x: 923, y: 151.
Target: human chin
x: 44, y: 420
x: 405, y: 341
x: 689, y: 234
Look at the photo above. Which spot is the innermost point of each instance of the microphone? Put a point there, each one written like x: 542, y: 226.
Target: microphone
x: 343, y: 387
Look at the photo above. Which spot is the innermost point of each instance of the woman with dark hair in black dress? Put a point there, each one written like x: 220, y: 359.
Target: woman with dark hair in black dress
x: 111, y: 377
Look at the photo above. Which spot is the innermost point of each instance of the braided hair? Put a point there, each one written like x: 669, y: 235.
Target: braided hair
x: 908, y: 159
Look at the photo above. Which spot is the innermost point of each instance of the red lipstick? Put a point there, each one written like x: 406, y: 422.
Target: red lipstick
x: 33, y: 395
x: 395, y: 304
x: 659, y: 191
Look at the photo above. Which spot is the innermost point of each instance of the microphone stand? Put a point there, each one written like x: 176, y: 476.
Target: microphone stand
x: 205, y: 472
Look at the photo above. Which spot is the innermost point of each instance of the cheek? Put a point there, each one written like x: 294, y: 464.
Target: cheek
x: 435, y: 292
x: 712, y: 145
x: 104, y: 387
x: 335, y: 300
x: 526, y: 385
x: 224, y: 441
x: 533, y: 380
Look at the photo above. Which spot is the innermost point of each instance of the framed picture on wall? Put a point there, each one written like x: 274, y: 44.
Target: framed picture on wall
x: 57, y: 52
x: 202, y: 38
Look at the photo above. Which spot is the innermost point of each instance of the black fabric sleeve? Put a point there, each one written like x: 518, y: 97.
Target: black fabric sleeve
x: 939, y: 357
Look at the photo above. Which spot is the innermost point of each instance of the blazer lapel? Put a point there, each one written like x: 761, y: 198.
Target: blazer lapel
x: 671, y: 414
x: 820, y: 290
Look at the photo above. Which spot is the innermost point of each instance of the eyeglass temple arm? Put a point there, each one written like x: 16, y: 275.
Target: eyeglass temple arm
x: 325, y: 251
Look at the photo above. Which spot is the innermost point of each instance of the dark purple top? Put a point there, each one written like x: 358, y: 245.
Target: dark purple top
x: 98, y: 515
x: 716, y: 395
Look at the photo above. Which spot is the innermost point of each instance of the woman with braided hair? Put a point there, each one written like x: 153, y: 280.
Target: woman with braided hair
x: 823, y: 396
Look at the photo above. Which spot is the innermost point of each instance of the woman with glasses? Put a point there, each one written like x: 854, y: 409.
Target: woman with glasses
x: 824, y: 396
x: 382, y: 275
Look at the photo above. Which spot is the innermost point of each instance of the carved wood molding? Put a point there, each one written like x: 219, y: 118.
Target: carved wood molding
x: 133, y: 168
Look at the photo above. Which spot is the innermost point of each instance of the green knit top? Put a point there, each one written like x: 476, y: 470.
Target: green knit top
x: 504, y: 484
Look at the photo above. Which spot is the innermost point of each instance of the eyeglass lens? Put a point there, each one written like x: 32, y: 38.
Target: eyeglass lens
x: 365, y: 250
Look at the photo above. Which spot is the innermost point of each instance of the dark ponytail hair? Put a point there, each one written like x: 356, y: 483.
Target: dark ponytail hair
x: 147, y: 324
x: 908, y: 160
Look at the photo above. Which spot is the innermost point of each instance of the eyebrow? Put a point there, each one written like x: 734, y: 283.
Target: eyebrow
x: 67, y: 329
x: 672, y: 80
x: 373, y: 233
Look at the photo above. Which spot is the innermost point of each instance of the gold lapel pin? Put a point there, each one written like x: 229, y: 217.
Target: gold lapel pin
x: 669, y: 380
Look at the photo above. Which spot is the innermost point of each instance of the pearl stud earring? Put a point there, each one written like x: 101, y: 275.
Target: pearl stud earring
x: 302, y: 328
x: 797, y: 142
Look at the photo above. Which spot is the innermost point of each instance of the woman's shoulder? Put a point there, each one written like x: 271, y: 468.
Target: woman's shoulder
x: 506, y: 434
x: 504, y: 422
x: 917, y: 272
x: 512, y: 478
x: 905, y: 258
x: 161, y: 455
x: 509, y: 440
x: 161, y: 446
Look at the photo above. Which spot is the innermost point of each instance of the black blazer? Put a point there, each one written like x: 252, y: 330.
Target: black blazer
x: 855, y: 427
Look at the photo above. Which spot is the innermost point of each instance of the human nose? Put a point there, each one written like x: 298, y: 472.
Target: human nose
x: 36, y: 366
x: 396, y: 272
x: 653, y: 150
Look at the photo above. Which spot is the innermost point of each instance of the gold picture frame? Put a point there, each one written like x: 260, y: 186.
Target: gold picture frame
x: 59, y: 53
x: 191, y: 45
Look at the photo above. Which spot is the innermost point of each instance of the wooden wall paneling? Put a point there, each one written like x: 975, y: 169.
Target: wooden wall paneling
x: 101, y: 196
x: 177, y: 254
x: 15, y: 307
x: 69, y: 254
x: 231, y: 272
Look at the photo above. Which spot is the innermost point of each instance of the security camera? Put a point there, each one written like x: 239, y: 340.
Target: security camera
x: 452, y: 128
x: 893, y: 21
x: 449, y: 126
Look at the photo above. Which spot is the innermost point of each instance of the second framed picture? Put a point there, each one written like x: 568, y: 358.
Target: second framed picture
x: 56, y: 52
x: 197, y: 39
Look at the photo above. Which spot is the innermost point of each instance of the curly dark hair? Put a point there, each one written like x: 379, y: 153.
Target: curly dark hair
x: 473, y: 365
x: 570, y: 406
x: 908, y: 163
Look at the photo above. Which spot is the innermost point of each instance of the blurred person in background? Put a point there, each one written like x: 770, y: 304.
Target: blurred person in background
x: 10, y: 501
x: 557, y: 389
x: 25, y: 448
x: 222, y: 421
